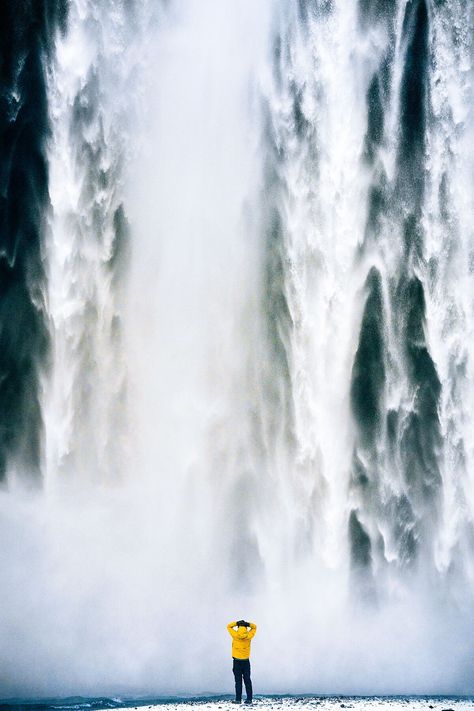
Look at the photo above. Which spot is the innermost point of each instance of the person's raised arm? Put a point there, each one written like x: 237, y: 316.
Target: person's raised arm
x: 230, y: 629
x: 253, y: 629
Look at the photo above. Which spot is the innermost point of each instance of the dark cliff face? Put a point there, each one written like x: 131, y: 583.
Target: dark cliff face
x: 413, y: 97
x: 405, y: 441
x: 27, y: 32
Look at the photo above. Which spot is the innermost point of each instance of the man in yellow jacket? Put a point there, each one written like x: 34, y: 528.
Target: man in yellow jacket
x: 242, y: 633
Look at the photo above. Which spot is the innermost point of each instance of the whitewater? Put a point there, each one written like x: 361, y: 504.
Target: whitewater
x: 237, y: 347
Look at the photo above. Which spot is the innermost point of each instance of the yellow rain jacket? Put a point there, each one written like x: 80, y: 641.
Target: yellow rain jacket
x: 241, y: 639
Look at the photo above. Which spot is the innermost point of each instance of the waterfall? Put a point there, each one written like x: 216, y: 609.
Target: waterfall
x: 236, y: 328
x: 86, y: 245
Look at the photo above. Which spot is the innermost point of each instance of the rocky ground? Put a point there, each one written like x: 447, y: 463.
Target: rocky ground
x: 327, y: 704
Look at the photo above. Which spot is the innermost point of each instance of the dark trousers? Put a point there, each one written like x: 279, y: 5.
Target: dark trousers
x: 241, y: 668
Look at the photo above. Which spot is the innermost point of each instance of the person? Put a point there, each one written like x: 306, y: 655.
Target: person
x: 241, y: 638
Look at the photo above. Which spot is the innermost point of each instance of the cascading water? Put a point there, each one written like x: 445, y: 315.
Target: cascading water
x: 86, y: 246
x: 237, y: 345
